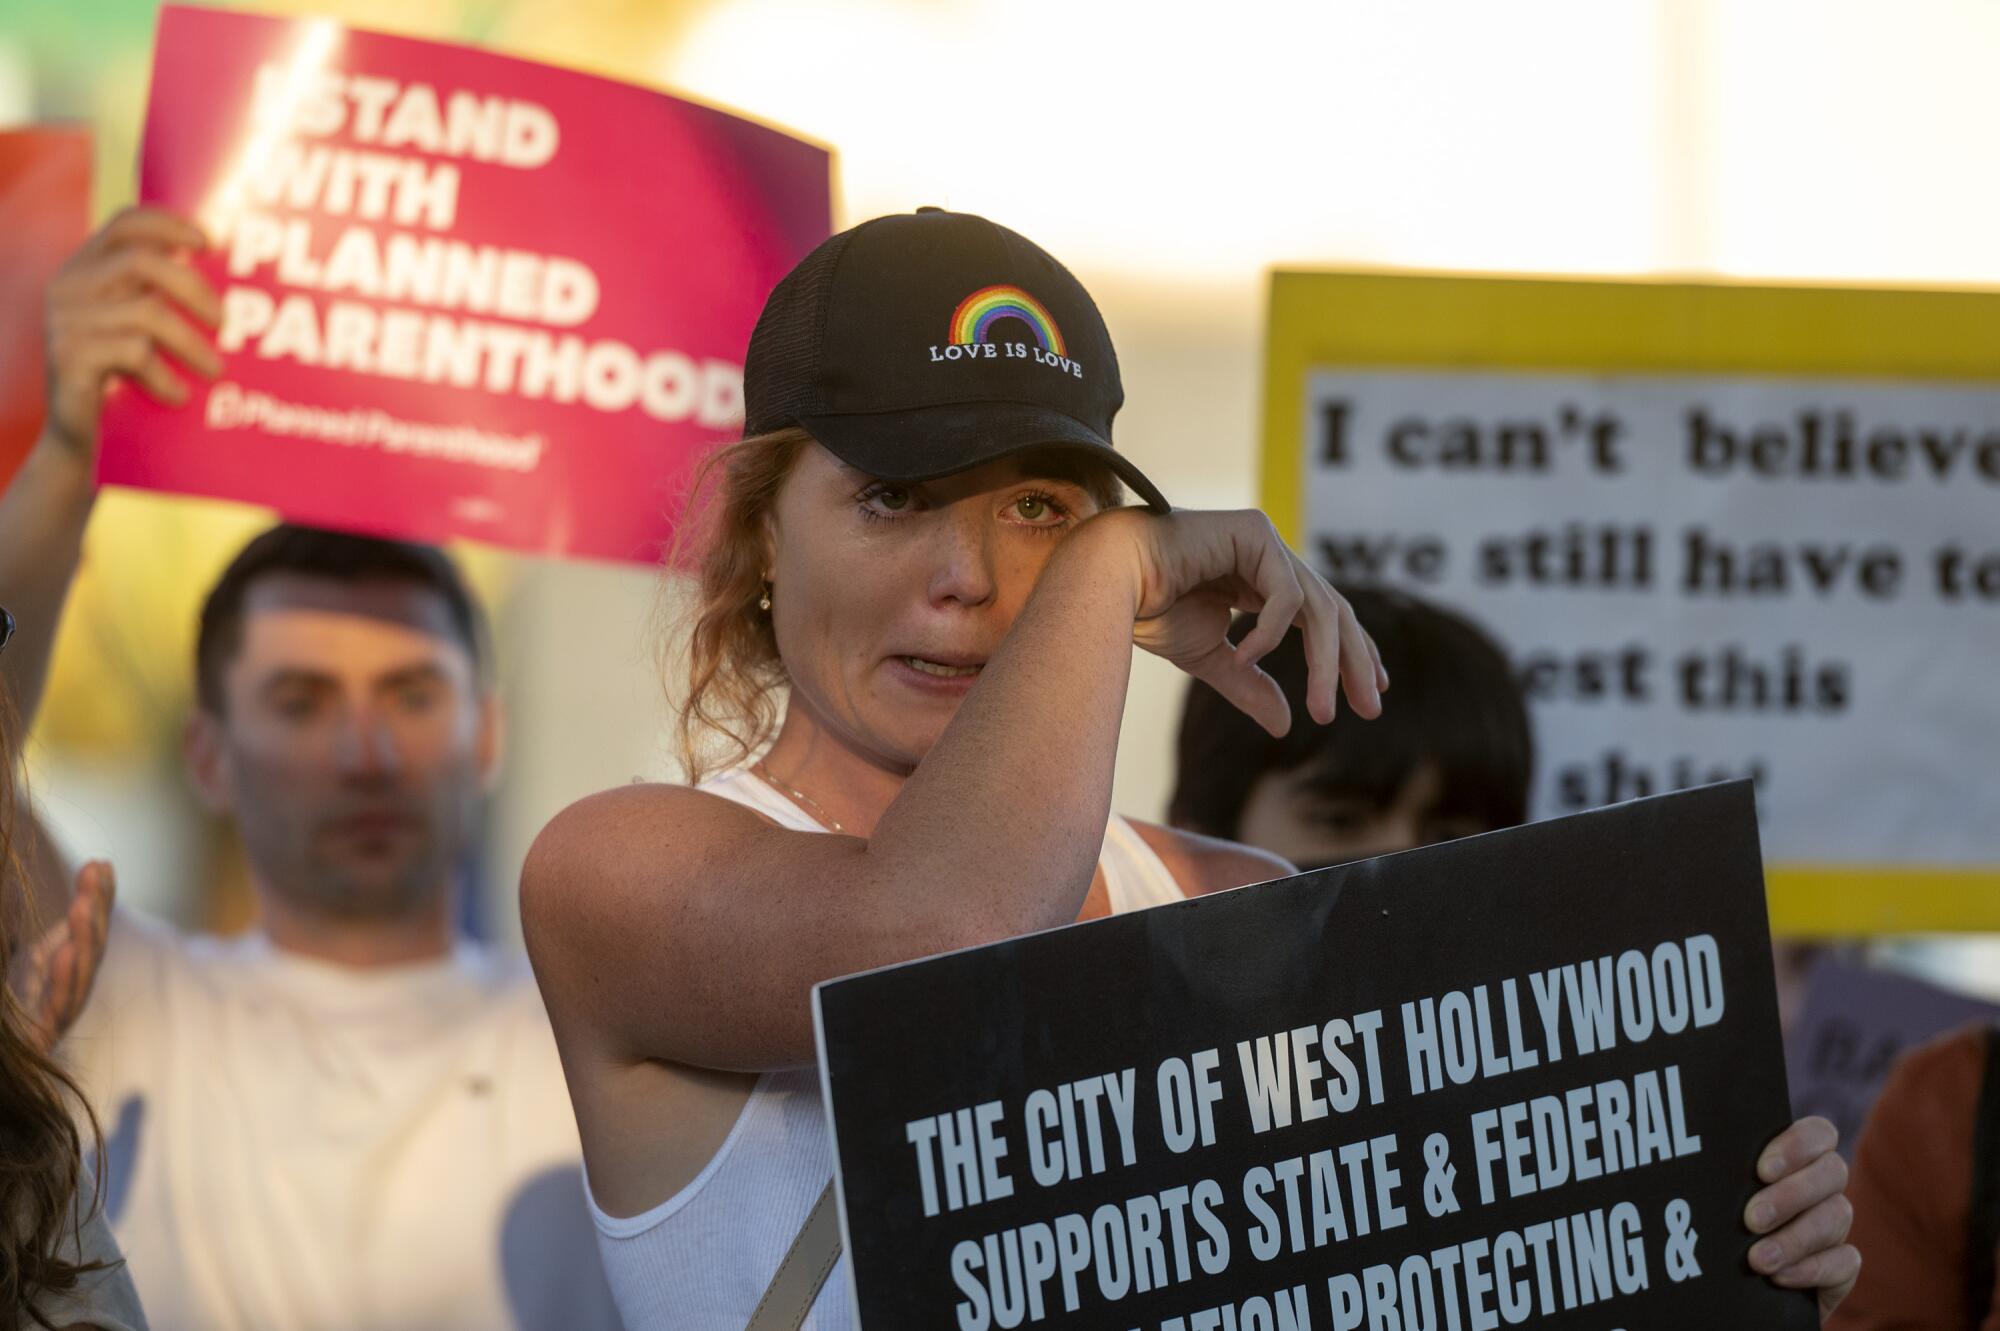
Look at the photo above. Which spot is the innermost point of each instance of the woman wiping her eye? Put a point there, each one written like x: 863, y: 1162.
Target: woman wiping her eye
x: 921, y: 542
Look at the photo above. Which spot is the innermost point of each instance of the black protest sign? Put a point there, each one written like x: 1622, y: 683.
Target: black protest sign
x: 1518, y: 1079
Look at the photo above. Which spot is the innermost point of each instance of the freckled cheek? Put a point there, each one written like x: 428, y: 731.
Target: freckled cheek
x: 827, y: 635
x: 1018, y: 571
x: 856, y: 593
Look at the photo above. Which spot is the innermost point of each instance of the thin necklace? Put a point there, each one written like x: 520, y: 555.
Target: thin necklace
x: 818, y: 809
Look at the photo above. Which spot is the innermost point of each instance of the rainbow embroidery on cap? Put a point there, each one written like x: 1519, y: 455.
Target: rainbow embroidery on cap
x: 976, y: 314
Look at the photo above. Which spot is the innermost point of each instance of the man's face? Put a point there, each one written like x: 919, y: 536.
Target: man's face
x: 353, y: 746
x: 1287, y: 817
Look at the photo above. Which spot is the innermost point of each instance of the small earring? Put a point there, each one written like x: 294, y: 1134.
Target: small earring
x: 764, y: 601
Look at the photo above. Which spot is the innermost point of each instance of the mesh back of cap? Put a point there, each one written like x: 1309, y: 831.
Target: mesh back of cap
x: 781, y: 369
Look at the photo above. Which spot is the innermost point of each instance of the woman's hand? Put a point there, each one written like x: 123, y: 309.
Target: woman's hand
x: 1194, y: 567
x: 52, y: 979
x: 1803, y: 1214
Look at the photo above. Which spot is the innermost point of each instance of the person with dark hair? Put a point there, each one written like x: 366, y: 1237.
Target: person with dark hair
x: 1453, y: 758
x: 337, y: 557
x: 920, y: 540
x: 348, y: 1116
x: 59, y: 1265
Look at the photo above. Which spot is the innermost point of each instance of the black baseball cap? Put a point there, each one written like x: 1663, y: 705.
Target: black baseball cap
x: 922, y: 344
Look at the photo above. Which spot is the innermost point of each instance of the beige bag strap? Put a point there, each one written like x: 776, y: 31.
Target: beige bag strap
x: 803, y: 1273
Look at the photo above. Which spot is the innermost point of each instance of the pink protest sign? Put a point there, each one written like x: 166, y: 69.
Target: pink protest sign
x: 463, y: 294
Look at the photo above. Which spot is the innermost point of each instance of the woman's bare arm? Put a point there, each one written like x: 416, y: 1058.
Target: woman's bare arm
x: 678, y: 926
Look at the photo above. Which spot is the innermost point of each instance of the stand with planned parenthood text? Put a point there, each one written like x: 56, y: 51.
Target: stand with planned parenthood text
x: 1521, y: 1078
x: 462, y: 294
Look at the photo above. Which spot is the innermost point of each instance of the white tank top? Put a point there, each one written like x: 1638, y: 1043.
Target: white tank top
x: 700, y: 1260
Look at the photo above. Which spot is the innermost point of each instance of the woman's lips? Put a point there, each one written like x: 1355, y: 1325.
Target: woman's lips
x: 941, y: 669
x: 948, y: 679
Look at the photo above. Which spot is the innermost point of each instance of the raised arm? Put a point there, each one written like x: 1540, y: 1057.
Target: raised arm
x: 678, y: 926
x: 118, y: 308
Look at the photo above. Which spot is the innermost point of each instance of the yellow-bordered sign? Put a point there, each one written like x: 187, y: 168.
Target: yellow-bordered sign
x: 1384, y: 320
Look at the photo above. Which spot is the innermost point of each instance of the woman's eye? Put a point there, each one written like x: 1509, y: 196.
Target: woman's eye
x: 888, y: 498
x: 1040, y: 510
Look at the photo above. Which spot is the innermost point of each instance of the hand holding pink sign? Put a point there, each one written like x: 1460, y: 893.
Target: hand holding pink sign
x: 462, y: 294
x: 127, y: 305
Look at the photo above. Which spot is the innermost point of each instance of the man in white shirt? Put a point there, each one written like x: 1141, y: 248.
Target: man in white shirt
x: 348, y: 1117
